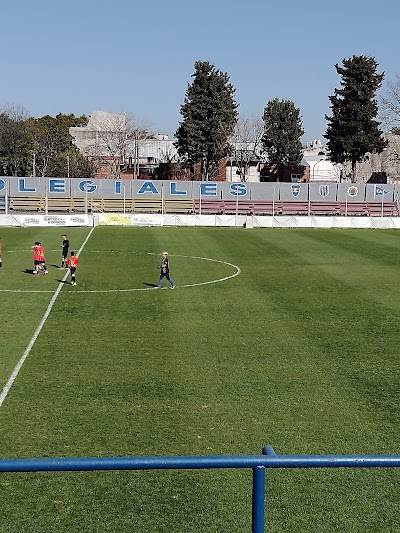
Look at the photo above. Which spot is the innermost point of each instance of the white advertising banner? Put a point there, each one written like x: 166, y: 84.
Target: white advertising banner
x: 341, y: 222
x: 361, y: 222
x: 395, y: 221
x: 263, y: 222
x: 230, y: 220
x: 321, y: 222
x: 7, y: 220
x: 52, y: 220
x: 282, y: 222
x: 185, y: 220
x: 170, y: 220
x: 205, y: 220
x: 326, y: 222
x: 114, y: 219
x: 381, y: 222
x: 302, y: 222
x: 147, y: 220
x: 118, y: 219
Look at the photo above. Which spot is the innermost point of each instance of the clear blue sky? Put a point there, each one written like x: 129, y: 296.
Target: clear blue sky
x: 134, y: 56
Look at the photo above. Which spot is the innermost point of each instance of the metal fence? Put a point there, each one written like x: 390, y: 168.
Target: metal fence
x: 258, y: 464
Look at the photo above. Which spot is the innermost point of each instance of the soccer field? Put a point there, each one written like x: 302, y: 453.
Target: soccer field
x: 282, y: 337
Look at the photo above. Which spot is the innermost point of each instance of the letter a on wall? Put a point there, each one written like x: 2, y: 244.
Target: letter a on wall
x: 148, y: 187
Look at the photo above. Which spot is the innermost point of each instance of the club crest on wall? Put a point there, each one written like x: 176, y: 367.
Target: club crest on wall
x: 379, y: 191
x: 324, y: 190
x: 296, y: 189
x: 352, y: 191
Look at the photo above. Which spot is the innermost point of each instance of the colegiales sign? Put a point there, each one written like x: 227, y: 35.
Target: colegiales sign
x: 118, y: 188
x: 104, y: 188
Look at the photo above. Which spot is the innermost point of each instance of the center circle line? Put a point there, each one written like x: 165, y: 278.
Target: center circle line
x: 219, y: 280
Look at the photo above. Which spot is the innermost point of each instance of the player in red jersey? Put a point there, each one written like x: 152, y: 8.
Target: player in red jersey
x: 36, y: 259
x: 42, y: 258
x: 72, y: 263
x: 39, y: 259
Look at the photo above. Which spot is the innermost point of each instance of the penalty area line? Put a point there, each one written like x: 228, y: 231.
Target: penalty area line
x: 18, y: 366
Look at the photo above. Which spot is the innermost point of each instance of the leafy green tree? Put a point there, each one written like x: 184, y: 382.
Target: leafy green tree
x: 353, y: 130
x: 282, y: 133
x: 16, y: 142
x: 72, y: 164
x: 40, y: 147
x: 209, y: 116
x: 55, y: 153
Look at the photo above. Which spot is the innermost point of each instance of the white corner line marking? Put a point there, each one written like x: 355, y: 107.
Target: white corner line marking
x: 18, y: 366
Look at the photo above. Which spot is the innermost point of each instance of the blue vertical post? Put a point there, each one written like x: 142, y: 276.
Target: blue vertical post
x: 258, y: 499
x: 268, y: 450
x: 260, y: 491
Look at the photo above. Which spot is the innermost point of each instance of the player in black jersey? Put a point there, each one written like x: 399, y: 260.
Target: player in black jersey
x: 64, y: 251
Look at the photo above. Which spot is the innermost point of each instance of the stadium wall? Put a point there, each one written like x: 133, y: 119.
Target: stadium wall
x: 92, y: 188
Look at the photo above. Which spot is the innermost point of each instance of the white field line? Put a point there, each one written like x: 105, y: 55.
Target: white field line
x: 18, y: 366
x: 236, y: 273
x: 24, y: 290
x: 219, y: 280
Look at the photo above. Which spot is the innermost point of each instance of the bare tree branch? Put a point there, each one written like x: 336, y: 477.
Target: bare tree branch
x: 112, y: 140
x: 389, y: 104
x: 247, y: 143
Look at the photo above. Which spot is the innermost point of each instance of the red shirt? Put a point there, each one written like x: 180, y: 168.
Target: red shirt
x: 36, y: 255
x: 40, y: 250
x: 73, y: 261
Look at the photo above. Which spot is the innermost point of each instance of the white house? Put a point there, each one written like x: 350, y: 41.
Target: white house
x: 321, y: 168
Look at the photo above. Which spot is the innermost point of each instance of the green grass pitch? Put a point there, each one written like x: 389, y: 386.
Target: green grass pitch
x: 298, y: 349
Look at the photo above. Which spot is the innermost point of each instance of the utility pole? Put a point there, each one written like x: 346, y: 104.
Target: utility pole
x: 33, y: 165
x: 135, y: 155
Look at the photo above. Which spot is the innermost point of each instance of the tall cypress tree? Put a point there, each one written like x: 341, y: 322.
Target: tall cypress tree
x: 282, y: 132
x: 353, y: 130
x: 209, y: 116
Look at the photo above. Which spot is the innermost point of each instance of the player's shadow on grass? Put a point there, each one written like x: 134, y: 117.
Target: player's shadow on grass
x: 150, y: 284
x: 63, y: 281
x: 28, y: 271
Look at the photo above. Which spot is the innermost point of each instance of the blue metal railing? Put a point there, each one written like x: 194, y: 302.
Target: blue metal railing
x: 258, y: 463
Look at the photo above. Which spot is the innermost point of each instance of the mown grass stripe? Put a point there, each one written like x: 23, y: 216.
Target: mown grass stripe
x: 15, y: 372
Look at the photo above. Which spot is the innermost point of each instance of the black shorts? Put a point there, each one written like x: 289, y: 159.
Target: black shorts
x: 72, y: 269
x: 65, y: 253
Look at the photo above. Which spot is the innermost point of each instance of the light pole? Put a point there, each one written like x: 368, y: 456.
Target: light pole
x: 313, y: 170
